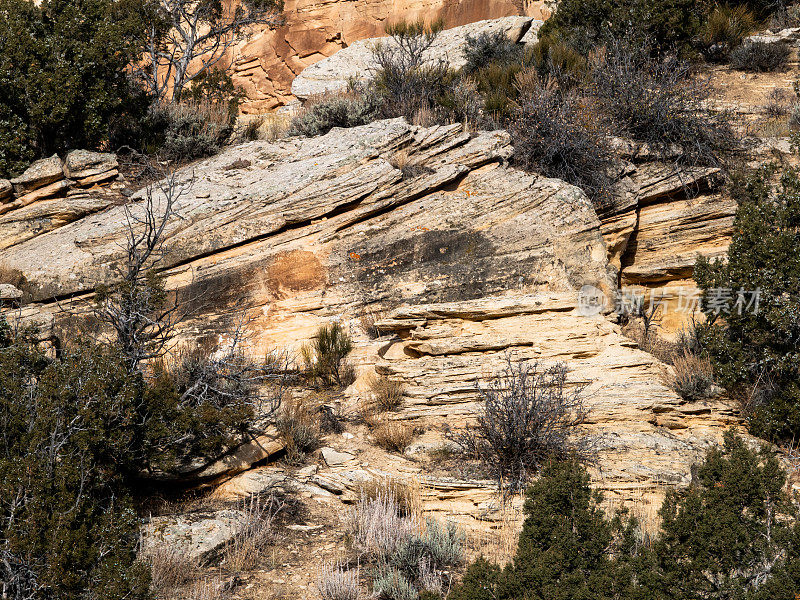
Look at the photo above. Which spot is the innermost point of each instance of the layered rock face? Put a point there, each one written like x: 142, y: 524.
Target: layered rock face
x: 51, y: 193
x: 265, y: 66
x: 658, y: 225
x: 468, y: 260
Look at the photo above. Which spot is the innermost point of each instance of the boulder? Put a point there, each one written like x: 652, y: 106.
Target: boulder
x: 334, y: 458
x: 193, y: 537
x: 356, y: 62
x: 9, y: 293
x: 88, y: 168
x: 41, y: 173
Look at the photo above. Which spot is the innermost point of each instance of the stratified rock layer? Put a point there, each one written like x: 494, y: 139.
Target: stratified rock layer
x: 469, y: 261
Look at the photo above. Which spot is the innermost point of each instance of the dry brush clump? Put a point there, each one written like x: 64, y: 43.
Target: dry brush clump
x: 527, y: 416
x: 392, y: 436
x: 760, y: 56
x: 338, y: 583
x: 256, y: 533
x: 405, y: 494
x: 386, y: 394
x: 691, y: 376
x: 409, y: 557
x: 298, y: 422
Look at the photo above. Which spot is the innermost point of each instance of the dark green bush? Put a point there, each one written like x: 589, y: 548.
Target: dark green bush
x: 61, y: 86
x: 72, y: 432
x: 759, y: 56
x: 731, y: 534
x: 586, y: 24
x: 349, y: 110
x: 491, y: 48
x: 756, y: 350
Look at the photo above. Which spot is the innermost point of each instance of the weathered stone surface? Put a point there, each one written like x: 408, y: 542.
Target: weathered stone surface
x: 40, y: 174
x: 470, y: 260
x: 88, y: 168
x: 646, y: 435
x: 9, y: 293
x: 785, y: 36
x: 25, y: 223
x: 660, y: 223
x: 191, y: 536
x: 334, y: 458
x: 357, y: 62
x: 48, y: 191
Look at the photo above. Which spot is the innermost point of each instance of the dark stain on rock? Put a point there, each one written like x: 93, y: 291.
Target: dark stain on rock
x: 465, y: 264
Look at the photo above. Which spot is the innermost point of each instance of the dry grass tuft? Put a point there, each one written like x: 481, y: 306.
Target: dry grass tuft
x: 387, y: 394
x: 244, y: 551
x: 393, y: 436
x: 170, y: 569
x: 299, y: 424
x: 691, y: 376
x: 406, y: 494
x: 336, y: 583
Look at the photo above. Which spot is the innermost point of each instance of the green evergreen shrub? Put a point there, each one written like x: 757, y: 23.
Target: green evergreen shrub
x: 61, y: 85
x: 755, y: 350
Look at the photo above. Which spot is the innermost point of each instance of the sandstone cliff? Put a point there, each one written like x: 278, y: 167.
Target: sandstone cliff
x: 469, y: 261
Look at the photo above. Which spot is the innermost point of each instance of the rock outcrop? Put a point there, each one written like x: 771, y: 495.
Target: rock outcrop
x: 50, y: 193
x: 468, y: 259
x: 265, y: 65
x: 357, y: 62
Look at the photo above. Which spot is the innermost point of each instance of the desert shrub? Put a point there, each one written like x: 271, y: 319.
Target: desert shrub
x: 557, y: 134
x: 731, y: 534
x: 387, y: 394
x: 73, y: 432
x: 60, y: 87
x: 336, y: 583
x: 660, y: 102
x: 190, y: 130
x: 732, y: 530
x: 794, y: 117
x: 567, y: 547
x: 725, y: 28
x: 586, y: 24
x: 170, y: 568
x: 555, y: 59
x: 393, y: 585
x: 692, y: 376
x: 299, y: 425
x: 752, y: 341
x: 526, y: 418
x: 344, y: 110
x: 377, y: 526
x: 777, y: 103
x: 392, y: 436
x: 759, y: 56
x: 325, y: 356
x: 490, y: 48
